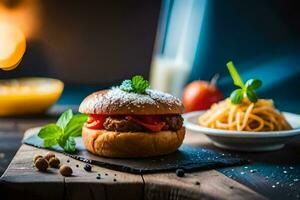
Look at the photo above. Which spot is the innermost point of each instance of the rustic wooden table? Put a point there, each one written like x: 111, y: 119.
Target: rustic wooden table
x: 21, y: 180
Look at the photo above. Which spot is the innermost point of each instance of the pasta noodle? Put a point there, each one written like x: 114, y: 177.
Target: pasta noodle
x: 247, y: 116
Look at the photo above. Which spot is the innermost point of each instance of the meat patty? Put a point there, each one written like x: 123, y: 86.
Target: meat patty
x: 174, y: 123
x: 121, y: 124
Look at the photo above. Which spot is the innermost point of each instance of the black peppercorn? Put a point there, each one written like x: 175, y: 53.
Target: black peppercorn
x: 98, y: 176
x: 180, y: 172
x: 77, y: 165
x: 88, y: 168
x: 197, y: 183
x: 115, y: 180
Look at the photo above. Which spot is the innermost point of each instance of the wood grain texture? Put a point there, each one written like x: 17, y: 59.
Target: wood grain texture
x: 211, y: 184
x: 111, y: 185
x: 22, y: 179
x: 201, y: 185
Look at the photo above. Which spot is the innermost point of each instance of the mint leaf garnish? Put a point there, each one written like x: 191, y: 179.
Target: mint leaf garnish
x: 63, y: 132
x: 126, y: 86
x: 137, y: 84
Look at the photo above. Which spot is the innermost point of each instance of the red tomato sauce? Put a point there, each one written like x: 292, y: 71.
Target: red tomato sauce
x: 150, y: 122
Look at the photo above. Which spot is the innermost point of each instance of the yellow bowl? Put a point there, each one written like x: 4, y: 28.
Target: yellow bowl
x: 24, y: 96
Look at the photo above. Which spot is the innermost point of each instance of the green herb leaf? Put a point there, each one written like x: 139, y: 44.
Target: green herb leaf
x: 74, y: 127
x: 49, y: 142
x: 70, y: 145
x: 235, y: 75
x: 253, y: 84
x: 245, y: 90
x: 251, y: 95
x: 63, y: 132
x: 64, y: 118
x: 50, y: 131
x: 237, y: 96
x: 137, y: 84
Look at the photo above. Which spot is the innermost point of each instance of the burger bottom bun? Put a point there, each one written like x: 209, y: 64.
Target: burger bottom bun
x: 131, y: 144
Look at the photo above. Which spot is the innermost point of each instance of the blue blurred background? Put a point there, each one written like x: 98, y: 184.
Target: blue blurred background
x: 261, y: 37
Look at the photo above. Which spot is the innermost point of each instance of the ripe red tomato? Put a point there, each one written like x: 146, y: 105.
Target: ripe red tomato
x: 200, y: 95
x: 95, y: 121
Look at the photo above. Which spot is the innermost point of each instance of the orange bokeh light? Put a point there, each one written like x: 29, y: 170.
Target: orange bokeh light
x: 24, y: 15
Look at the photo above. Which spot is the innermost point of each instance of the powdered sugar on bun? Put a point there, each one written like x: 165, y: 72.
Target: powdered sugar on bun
x: 119, y: 102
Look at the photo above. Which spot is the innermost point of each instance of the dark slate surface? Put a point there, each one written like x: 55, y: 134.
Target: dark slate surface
x: 187, y: 157
x: 273, y: 181
x: 274, y: 174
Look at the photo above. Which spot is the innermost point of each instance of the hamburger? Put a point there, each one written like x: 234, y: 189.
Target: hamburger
x: 132, y: 121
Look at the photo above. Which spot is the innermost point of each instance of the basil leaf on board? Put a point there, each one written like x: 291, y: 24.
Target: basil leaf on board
x: 74, y: 127
x: 63, y: 132
x: 237, y: 96
x: 253, y: 84
x: 251, y: 96
x: 70, y: 145
x: 49, y: 142
x: 50, y: 131
x: 65, y: 118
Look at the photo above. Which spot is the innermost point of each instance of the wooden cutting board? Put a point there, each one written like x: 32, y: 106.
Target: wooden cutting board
x: 21, y: 180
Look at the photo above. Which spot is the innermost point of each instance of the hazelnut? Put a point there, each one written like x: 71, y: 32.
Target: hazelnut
x: 49, y: 155
x: 36, y: 157
x: 65, y: 170
x: 41, y: 164
x: 54, y: 162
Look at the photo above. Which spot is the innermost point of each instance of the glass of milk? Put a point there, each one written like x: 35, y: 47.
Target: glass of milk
x: 176, y: 44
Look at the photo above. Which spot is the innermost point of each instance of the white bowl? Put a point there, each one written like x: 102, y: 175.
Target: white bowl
x: 245, y: 140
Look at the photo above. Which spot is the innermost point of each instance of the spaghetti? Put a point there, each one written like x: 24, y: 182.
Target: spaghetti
x: 246, y: 116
